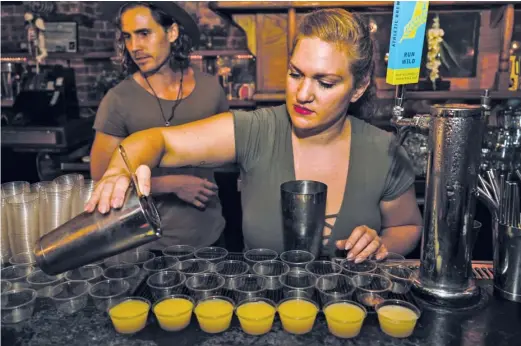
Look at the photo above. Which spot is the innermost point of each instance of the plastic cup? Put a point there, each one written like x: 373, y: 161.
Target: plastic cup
x: 350, y: 268
x: 17, y: 305
x: 159, y: 263
x: 214, y: 314
x: 193, y: 266
x: 258, y: 255
x: 256, y: 315
x: 212, y: 253
x: 17, y: 275
x: 371, y: 289
x: 43, y: 283
x: 400, y: 276
x: 181, y: 252
x: 130, y: 315
x: 344, y: 318
x: 137, y: 257
x: 272, y: 270
x: 90, y: 273
x: 298, y: 283
x: 297, y: 314
x: 70, y: 296
x: 334, y: 287
x: 165, y: 283
x: 231, y: 269
x: 108, y: 293
x: 23, y: 258
x: 248, y: 286
x: 127, y: 272
x: 113, y: 260
x: 319, y: 268
x: 297, y: 258
x: 205, y: 285
x: 174, y: 312
x: 397, y: 318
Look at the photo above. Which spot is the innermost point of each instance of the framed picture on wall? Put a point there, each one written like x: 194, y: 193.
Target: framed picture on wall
x: 61, y: 37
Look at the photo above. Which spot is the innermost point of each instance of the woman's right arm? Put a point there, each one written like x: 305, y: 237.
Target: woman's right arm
x: 204, y: 143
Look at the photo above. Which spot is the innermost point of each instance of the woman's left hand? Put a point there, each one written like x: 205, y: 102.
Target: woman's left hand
x: 362, y: 243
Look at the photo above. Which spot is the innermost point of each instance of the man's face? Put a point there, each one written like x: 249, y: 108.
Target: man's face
x: 145, y: 39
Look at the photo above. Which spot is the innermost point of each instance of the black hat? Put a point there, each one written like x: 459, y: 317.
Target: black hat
x: 110, y: 9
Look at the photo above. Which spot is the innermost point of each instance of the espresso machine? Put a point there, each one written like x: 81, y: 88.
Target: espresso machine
x: 455, y: 134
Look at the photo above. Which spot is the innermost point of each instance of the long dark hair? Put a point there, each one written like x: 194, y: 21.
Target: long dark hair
x: 350, y: 31
x: 179, y: 50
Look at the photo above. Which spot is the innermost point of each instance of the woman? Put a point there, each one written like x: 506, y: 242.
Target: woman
x: 316, y: 135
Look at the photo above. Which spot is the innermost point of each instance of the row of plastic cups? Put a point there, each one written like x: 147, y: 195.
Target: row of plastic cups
x: 202, y: 285
x: 256, y: 315
x: 18, y: 304
x: 294, y: 258
x: 217, y: 254
x: 69, y: 296
x: 213, y: 313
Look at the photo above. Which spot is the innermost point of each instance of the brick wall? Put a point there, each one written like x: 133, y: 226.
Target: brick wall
x: 100, y: 37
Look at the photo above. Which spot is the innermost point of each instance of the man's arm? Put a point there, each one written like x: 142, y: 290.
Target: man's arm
x: 101, y: 153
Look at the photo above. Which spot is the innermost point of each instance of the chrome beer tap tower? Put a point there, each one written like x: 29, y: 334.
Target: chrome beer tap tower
x: 454, y: 148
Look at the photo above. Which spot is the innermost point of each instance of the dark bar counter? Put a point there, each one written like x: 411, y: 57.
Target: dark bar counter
x: 496, y: 323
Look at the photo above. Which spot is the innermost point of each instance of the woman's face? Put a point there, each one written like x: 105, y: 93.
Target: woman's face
x: 319, y: 85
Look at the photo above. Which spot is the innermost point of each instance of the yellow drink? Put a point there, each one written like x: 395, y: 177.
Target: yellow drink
x: 297, y: 315
x: 256, y: 317
x: 397, y: 321
x: 214, y: 315
x: 174, y: 314
x: 344, y: 319
x: 129, y: 316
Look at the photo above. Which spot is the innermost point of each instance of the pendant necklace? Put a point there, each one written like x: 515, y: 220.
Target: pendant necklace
x: 177, y: 100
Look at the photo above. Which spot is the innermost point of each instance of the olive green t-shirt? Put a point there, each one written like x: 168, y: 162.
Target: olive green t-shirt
x: 129, y: 108
x: 265, y: 157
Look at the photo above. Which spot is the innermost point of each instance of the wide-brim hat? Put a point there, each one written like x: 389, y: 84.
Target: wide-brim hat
x: 110, y: 9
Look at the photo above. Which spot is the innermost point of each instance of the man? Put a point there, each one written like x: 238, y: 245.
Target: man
x: 161, y: 89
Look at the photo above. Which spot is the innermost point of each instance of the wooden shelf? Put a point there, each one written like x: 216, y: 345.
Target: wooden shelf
x: 274, y: 97
x: 111, y: 55
x: 228, y: 52
x: 95, y: 104
x: 241, y: 103
x: 246, y: 6
x: 413, y: 95
x: 449, y: 94
x: 381, y: 94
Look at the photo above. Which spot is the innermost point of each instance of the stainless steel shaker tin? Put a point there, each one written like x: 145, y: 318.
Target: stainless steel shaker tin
x: 90, y: 237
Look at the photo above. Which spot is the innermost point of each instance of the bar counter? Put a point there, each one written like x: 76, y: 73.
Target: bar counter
x: 497, y: 323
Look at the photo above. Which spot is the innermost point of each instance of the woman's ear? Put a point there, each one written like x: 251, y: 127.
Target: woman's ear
x: 173, y: 33
x: 358, y: 92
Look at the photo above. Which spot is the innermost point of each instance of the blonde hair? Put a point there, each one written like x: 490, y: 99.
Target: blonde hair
x: 351, y: 33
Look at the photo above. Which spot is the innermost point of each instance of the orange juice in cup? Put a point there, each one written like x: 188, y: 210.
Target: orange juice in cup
x: 397, y: 317
x: 256, y: 315
x: 297, y: 314
x: 130, y: 315
x: 344, y: 318
x: 214, y: 313
x: 174, y: 312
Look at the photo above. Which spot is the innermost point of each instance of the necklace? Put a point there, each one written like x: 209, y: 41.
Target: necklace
x: 178, y: 100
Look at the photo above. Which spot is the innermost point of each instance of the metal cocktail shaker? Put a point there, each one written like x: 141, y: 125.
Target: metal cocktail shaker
x: 303, y: 205
x: 90, y: 237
